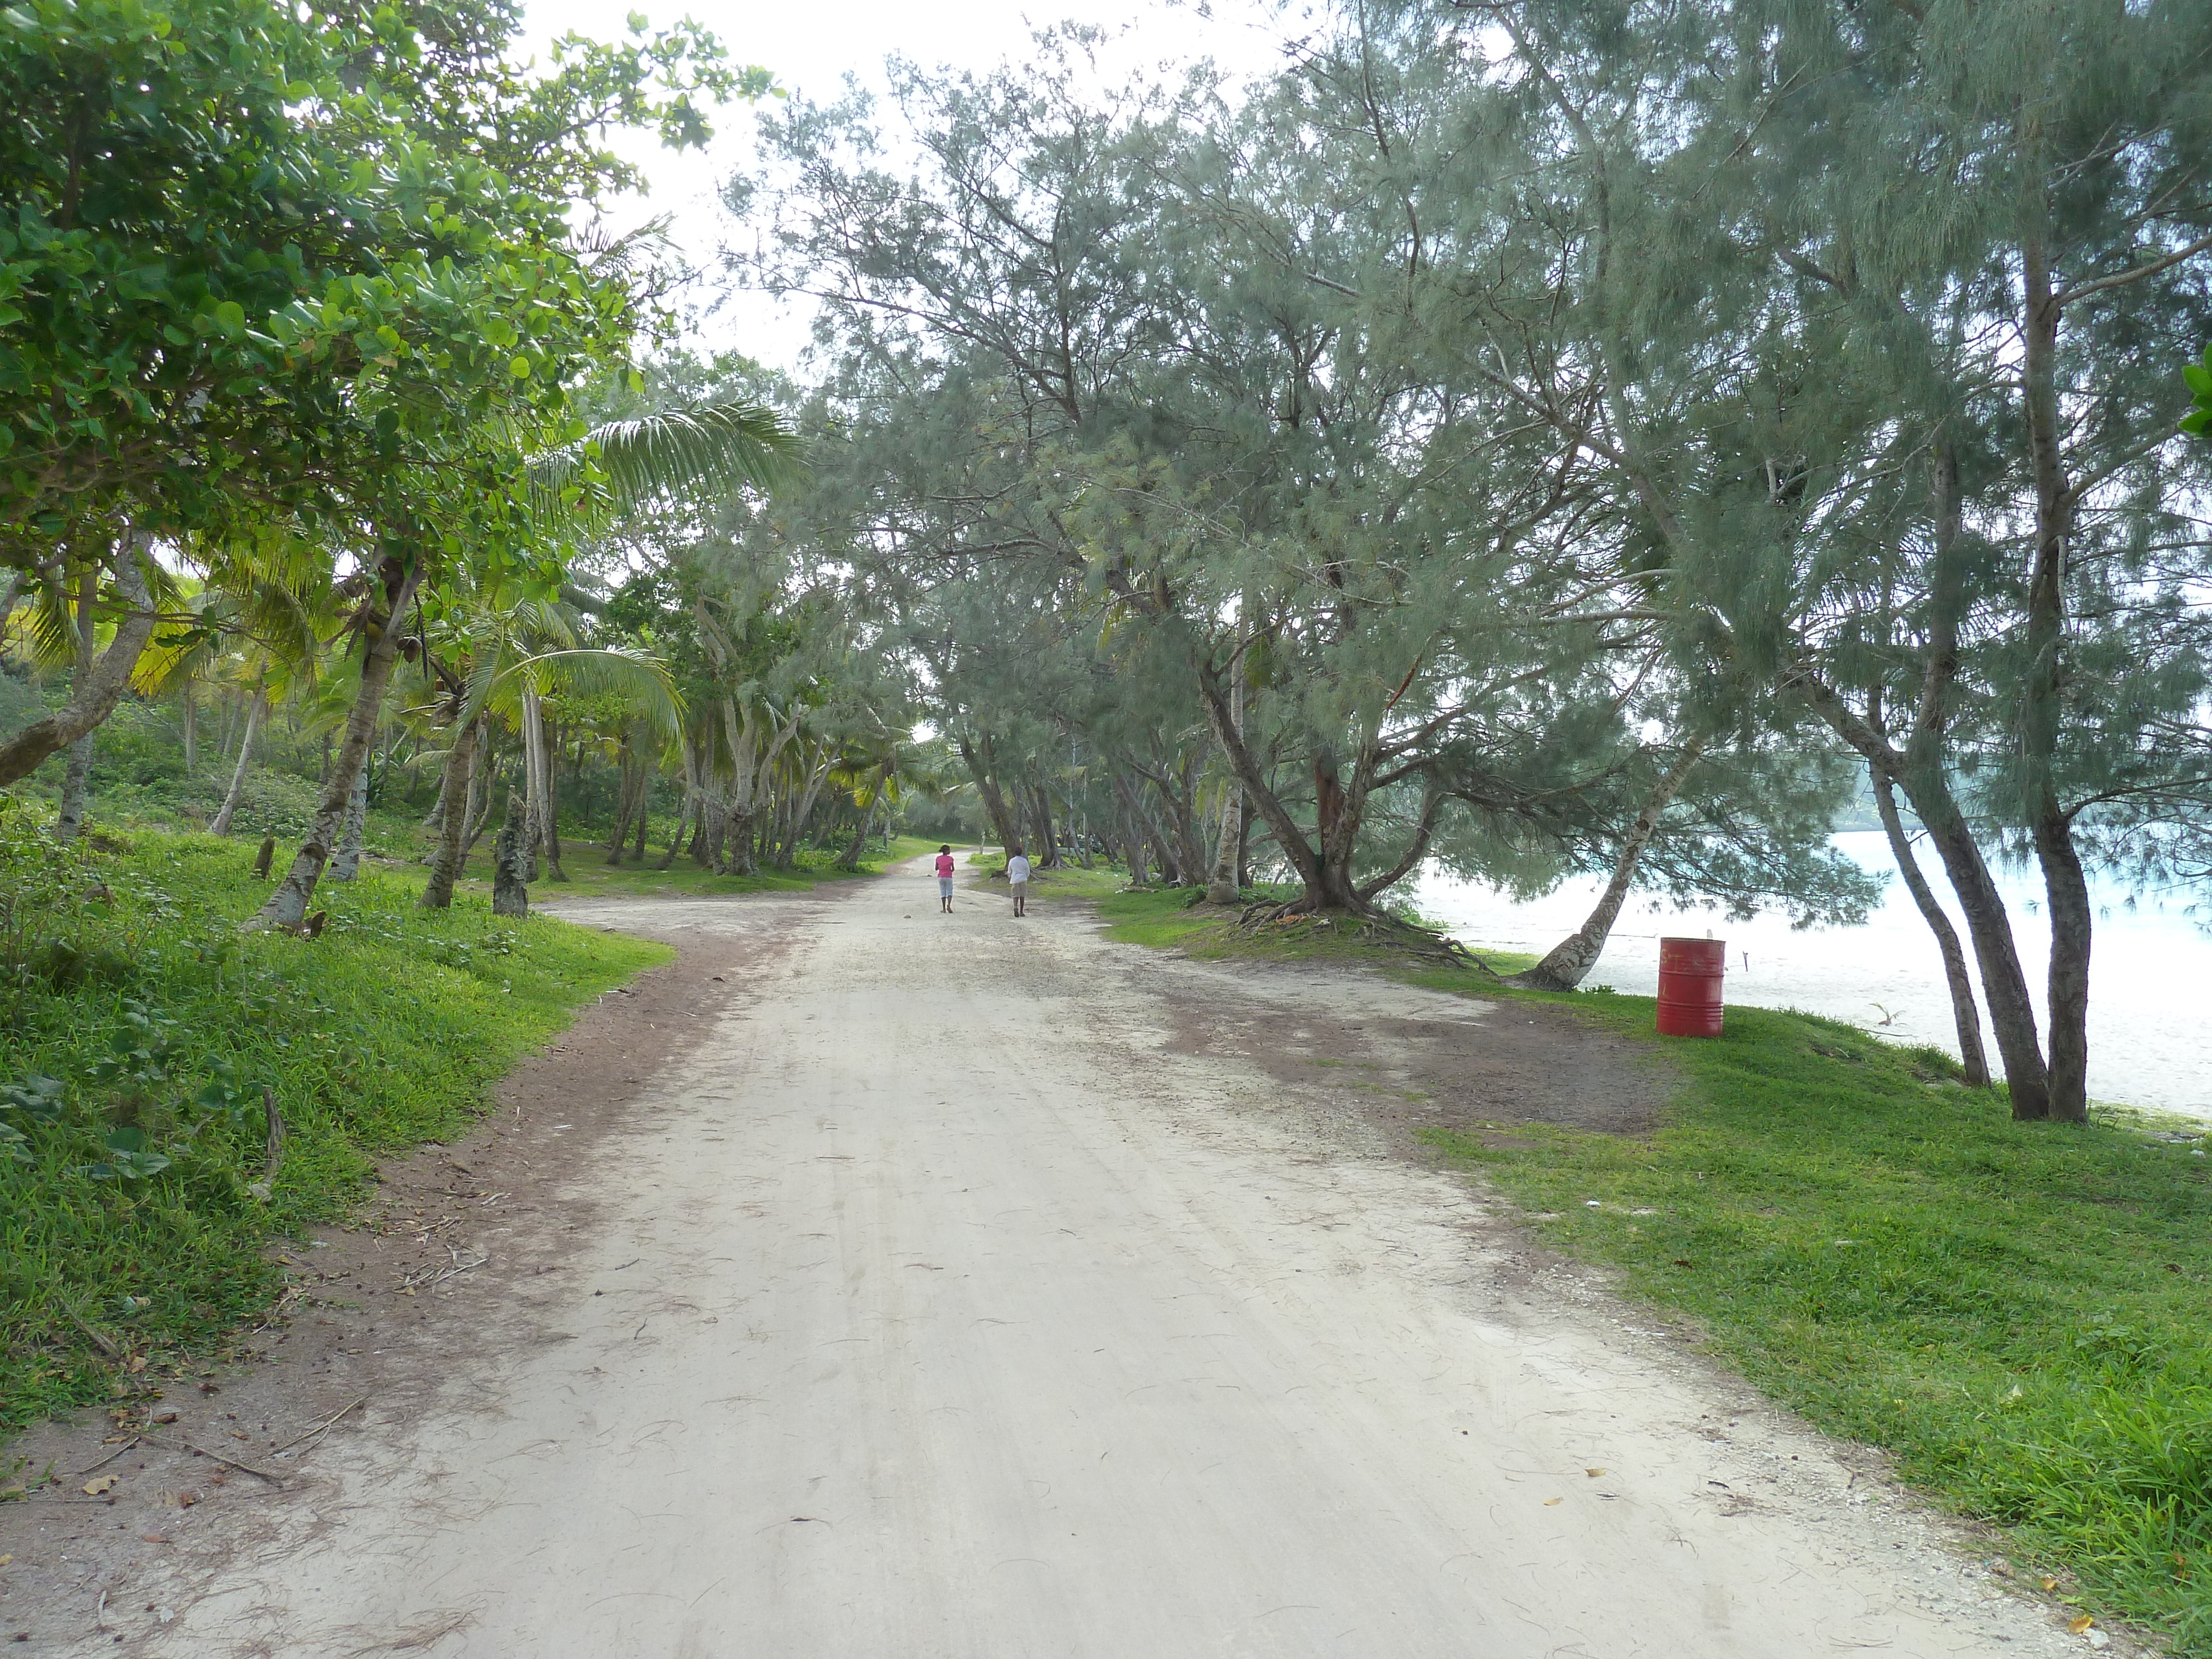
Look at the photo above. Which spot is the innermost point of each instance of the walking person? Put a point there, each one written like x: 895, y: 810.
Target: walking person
x: 944, y: 869
x: 1018, y: 879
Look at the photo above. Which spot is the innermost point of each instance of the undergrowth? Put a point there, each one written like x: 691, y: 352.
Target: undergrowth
x: 589, y: 875
x: 138, y: 1028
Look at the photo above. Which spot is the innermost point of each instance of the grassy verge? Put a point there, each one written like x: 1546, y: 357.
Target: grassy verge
x: 2017, y: 1313
x: 589, y: 875
x: 1070, y: 882
x: 137, y: 1031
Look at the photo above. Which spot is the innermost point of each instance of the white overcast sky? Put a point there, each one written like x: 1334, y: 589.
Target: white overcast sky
x: 811, y: 47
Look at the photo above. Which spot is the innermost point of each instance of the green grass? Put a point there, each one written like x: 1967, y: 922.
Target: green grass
x: 137, y: 1024
x: 2017, y: 1313
x: 1070, y: 882
x: 589, y: 875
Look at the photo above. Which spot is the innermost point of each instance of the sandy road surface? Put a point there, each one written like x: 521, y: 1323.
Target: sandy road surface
x: 940, y: 1304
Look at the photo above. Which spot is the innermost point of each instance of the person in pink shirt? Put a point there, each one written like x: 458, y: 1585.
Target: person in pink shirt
x: 945, y: 868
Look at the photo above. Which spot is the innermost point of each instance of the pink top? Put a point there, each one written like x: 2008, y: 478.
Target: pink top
x: 944, y: 863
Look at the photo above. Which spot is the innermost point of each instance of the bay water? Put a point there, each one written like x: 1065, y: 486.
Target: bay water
x: 2150, y: 994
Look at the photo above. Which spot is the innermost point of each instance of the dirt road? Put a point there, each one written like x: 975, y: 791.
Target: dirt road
x: 946, y: 1298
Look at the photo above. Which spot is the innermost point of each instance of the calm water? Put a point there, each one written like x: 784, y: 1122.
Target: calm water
x: 2150, y: 1032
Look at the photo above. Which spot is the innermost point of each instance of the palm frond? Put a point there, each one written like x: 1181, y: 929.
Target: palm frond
x: 720, y: 446
x: 640, y: 680
x: 51, y: 633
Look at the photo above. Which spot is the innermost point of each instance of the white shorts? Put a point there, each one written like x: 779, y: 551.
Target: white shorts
x: 944, y: 887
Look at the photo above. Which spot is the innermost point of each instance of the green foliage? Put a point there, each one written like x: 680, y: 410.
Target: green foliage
x: 2198, y: 378
x: 232, y: 284
x: 137, y: 1031
x: 2014, y: 1311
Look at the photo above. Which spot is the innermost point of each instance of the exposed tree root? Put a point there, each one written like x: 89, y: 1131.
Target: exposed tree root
x: 1535, y: 978
x: 1289, y: 922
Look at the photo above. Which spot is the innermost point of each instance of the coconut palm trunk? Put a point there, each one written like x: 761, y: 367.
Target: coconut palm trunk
x: 230, y: 809
x: 625, y: 800
x: 687, y: 814
x: 510, y: 888
x: 346, y: 866
x: 453, y: 834
x: 479, y: 803
x: 543, y: 842
x: 287, y: 908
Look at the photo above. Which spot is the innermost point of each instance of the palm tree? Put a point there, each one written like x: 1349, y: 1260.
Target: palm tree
x: 504, y: 663
x: 257, y: 621
x: 729, y: 445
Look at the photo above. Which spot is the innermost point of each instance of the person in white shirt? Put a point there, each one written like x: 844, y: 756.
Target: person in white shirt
x: 1018, y: 879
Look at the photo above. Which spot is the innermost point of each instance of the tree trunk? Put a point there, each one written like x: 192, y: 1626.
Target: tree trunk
x: 435, y: 824
x: 552, y: 803
x: 2004, y: 986
x: 222, y: 825
x: 736, y: 851
x: 714, y: 816
x: 1566, y: 963
x: 77, y: 780
x: 644, y: 805
x: 457, y: 785
x: 510, y: 885
x: 545, y: 842
x: 1132, y: 846
x: 676, y: 839
x: 1046, y: 854
x: 2067, y: 887
x: 94, y: 693
x: 192, y: 729
x: 623, y: 800
x: 479, y: 803
x: 1339, y: 809
x: 688, y: 812
x: 287, y: 908
x: 2051, y: 825
x: 1164, y: 849
x: 986, y: 789
x: 852, y: 859
x: 1133, y: 828
x: 77, y: 785
x: 1964, y: 1013
x: 1224, y: 888
x: 346, y: 865
x: 736, y: 829
x: 1322, y: 865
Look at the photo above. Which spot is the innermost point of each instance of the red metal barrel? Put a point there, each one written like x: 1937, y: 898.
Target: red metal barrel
x: 1690, y: 972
